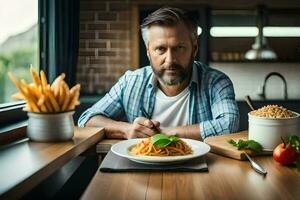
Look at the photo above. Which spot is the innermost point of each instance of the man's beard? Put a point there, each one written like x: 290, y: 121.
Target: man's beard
x: 181, y: 73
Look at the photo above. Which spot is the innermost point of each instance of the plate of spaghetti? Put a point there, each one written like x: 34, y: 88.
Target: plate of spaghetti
x: 144, y: 151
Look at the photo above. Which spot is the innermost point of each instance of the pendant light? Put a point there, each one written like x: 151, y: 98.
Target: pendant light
x: 260, y: 49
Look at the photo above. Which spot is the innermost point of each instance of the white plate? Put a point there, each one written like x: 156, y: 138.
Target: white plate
x: 122, y: 149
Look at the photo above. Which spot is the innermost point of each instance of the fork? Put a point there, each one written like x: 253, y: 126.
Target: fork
x: 148, y: 117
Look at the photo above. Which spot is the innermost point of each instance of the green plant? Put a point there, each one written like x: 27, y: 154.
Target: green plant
x: 246, y: 144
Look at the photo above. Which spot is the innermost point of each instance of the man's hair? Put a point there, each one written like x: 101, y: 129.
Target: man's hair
x: 168, y: 16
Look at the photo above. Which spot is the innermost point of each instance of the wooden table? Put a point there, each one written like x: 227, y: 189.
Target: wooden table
x: 23, y: 165
x: 227, y: 179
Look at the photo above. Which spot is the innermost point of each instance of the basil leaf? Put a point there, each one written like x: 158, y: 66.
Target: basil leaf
x: 246, y: 144
x: 231, y: 141
x: 173, y: 138
x: 242, y: 144
x: 158, y: 137
x: 255, y: 146
x: 161, y: 140
x: 294, y: 140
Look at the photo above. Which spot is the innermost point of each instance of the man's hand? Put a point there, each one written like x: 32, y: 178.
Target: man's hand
x: 141, y: 128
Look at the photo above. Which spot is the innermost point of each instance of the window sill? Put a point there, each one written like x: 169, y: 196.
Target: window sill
x: 13, y: 132
x: 10, y: 113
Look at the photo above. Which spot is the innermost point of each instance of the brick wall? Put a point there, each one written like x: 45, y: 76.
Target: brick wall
x: 104, y: 46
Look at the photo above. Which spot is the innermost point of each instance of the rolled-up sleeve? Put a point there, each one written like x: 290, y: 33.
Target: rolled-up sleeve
x: 225, y: 113
x: 110, y: 105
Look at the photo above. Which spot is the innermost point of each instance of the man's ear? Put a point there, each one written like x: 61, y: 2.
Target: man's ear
x: 148, y: 54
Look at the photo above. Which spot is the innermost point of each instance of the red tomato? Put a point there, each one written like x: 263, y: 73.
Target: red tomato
x: 285, y: 155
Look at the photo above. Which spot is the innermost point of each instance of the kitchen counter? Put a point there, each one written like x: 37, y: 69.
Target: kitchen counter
x: 25, y: 164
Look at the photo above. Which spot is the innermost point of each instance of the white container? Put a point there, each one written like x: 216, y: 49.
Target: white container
x: 56, y: 127
x: 267, y: 131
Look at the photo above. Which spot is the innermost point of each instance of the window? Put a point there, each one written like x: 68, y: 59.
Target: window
x: 19, y: 46
x: 219, y: 31
x: 233, y: 32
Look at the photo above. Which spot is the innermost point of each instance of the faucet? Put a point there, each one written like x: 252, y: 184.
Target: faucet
x: 263, y: 94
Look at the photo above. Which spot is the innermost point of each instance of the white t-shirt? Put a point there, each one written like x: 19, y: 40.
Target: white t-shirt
x: 172, y: 111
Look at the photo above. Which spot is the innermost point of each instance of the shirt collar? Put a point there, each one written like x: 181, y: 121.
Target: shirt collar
x: 195, y: 74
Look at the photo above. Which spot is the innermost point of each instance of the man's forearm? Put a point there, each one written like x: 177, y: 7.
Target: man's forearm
x: 189, y: 131
x: 113, y: 129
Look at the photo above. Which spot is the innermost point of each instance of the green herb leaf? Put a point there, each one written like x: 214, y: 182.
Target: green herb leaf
x: 294, y: 140
x: 246, y: 144
x: 158, y: 137
x: 161, y: 140
x: 162, y: 143
x: 231, y: 141
x: 242, y: 144
x: 173, y: 138
x: 255, y: 146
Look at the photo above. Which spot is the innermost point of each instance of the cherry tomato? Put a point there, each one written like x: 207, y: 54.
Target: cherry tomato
x: 285, y: 155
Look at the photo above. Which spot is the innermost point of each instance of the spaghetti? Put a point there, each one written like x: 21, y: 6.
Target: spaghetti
x: 146, y: 148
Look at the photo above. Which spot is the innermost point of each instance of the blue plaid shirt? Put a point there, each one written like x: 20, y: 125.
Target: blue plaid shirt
x: 212, y: 100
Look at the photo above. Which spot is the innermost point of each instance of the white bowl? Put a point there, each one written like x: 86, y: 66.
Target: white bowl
x: 267, y: 131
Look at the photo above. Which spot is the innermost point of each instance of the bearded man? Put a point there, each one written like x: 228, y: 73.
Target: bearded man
x: 175, y: 94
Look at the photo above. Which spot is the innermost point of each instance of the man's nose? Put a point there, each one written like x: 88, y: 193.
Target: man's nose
x: 170, y: 57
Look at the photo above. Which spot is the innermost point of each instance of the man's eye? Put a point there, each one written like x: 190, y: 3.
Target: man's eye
x: 180, y: 47
x: 160, y: 50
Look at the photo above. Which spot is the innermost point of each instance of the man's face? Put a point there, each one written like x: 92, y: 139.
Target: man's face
x: 171, y: 53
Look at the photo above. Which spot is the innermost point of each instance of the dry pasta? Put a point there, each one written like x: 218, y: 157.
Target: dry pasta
x: 146, y: 148
x: 273, y: 111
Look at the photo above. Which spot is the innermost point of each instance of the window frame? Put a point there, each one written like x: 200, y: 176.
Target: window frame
x: 11, y: 112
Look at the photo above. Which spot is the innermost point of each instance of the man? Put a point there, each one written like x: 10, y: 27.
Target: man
x: 183, y: 97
